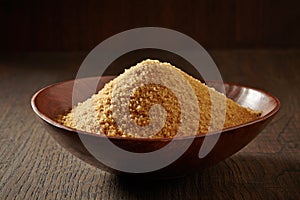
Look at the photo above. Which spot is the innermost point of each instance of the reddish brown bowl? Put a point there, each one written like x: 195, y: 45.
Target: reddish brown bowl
x: 56, y: 99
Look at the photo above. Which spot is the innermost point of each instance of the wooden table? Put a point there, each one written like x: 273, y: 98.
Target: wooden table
x: 34, y: 166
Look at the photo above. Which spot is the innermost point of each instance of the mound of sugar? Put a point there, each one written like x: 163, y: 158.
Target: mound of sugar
x: 132, y: 96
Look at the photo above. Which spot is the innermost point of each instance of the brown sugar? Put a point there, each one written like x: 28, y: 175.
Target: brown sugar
x: 124, y: 106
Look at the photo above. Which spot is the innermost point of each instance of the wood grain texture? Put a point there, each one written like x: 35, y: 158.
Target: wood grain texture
x: 54, y: 25
x: 33, y: 166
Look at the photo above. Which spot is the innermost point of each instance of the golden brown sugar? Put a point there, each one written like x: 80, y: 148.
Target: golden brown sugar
x: 146, y: 85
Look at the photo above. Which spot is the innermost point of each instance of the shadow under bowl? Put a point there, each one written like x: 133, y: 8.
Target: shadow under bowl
x: 56, y: 100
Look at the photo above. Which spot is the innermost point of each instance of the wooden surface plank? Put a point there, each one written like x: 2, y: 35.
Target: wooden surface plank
x: 34, y: 166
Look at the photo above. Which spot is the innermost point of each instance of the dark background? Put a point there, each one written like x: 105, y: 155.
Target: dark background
x: 55, y: 25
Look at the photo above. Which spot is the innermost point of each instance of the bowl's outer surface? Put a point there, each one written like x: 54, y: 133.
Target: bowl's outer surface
x: 56, y: 99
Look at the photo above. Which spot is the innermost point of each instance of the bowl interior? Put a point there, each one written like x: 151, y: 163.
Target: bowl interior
x: 252, y: 98
x: 57, y: 99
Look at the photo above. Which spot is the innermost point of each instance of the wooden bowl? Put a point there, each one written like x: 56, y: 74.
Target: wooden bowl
x: 56, y: 99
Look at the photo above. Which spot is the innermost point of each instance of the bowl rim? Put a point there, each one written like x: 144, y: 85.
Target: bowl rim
x: 75, y: 131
